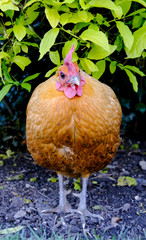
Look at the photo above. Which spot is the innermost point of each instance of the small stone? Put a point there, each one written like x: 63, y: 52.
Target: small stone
x: 9, y: 217
x: 126, y: 207
x: 137, y: 198
x: 17, y: 202
x: 142, y: 164
x: 19, y: 214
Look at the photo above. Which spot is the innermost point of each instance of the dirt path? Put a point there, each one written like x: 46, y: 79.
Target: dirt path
x: 25, y: 191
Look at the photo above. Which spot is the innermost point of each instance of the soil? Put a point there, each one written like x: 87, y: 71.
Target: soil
x: 25, y: 190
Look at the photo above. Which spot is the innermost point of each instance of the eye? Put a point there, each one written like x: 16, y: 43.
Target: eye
x: 62, y: 75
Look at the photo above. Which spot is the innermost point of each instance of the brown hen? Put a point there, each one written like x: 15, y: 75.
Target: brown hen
x: 72, y: 127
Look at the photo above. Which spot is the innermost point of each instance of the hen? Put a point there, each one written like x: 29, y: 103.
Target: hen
x: 72, y: 127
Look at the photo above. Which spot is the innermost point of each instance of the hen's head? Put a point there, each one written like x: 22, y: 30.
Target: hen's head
x: 69, y: 78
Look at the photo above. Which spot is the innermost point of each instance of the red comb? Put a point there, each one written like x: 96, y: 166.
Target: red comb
x: 68, y: 57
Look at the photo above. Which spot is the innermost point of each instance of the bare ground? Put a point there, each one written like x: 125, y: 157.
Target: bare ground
x: 25, y: 191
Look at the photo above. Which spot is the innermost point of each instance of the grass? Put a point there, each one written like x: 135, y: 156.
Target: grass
x: 21, y: 235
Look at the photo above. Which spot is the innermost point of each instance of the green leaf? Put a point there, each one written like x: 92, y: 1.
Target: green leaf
x: 137, y: 21
x: 30, y: 3
x: 19, y: 31
x: 99, y: 18
x: 31, y: 13
x: 107, y: 4
x: 17, y: 47
x: 135, y: 146
x: 7, y: 77
x: 142, y: 10
x: 126, y: 34
x: 31, y: 44
x: 101, y: 69
x: 96, y: 37
x: 119, y: 43
x: 77, y: 184
x: 49, y: 73
x: 85, y: 17
x: 113, y: 66
x: 8, y: 5
x: 9, y: 153
x: 11, y: 230
x: 55, y: 58
x: 67, y: 47
x: 5, y: 90
x: 48, y: 41
x: 4, y: 55
x: 124, y: 181
x: 69, y: 1
x: 103, y: 4
x: 98, y: 52
x: 53, y: 16
x: 125, y: 7
x: 135, y: 69
x: 27, y: 201
x: 10, y: 13
x: 88, y: 65
x: 1, y: 163
x: 27, y: 86
x: 139, y: 43
x: 24, y: 48
x: 52, y: 179
x: 31, y: 77
x: 33, y: 179
x: 97, y: 207
x: 139, y: 1
x: 21, y: 61
x: 64, y: 18
x: 132, y: 79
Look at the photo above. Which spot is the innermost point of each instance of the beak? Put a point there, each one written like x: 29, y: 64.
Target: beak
x: 74, y: 80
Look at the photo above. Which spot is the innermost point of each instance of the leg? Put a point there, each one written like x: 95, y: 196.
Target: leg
x: 82, y: 209
x: 63, y: 206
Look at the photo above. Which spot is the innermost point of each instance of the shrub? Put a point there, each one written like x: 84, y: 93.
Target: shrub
x: 109, y: 37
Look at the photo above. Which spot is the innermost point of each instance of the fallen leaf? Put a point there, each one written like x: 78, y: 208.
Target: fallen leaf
x: 135, y: 146
x: 8, y: 154
x: 115, y: 220
x: 52, y: 179
x: 77, y: 184
x: 15, y: 194
x: 126, y: 181
x: 3, y: 156
x: 10, y: 230
x: 27, y: 201
x: 97, y: 207
x: 33, y: 179
x: 142, y: 164
x: 1, y: 163
x: 16, y: 177
x: 94, y: 182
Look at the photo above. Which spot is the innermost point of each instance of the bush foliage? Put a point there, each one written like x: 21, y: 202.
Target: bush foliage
x: 109, y: 37
x: 99, y: 35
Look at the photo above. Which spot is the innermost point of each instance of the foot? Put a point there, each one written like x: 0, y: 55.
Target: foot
x: 84, y: 212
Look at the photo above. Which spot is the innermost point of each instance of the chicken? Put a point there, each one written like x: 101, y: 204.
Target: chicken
x: 72, y: 127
